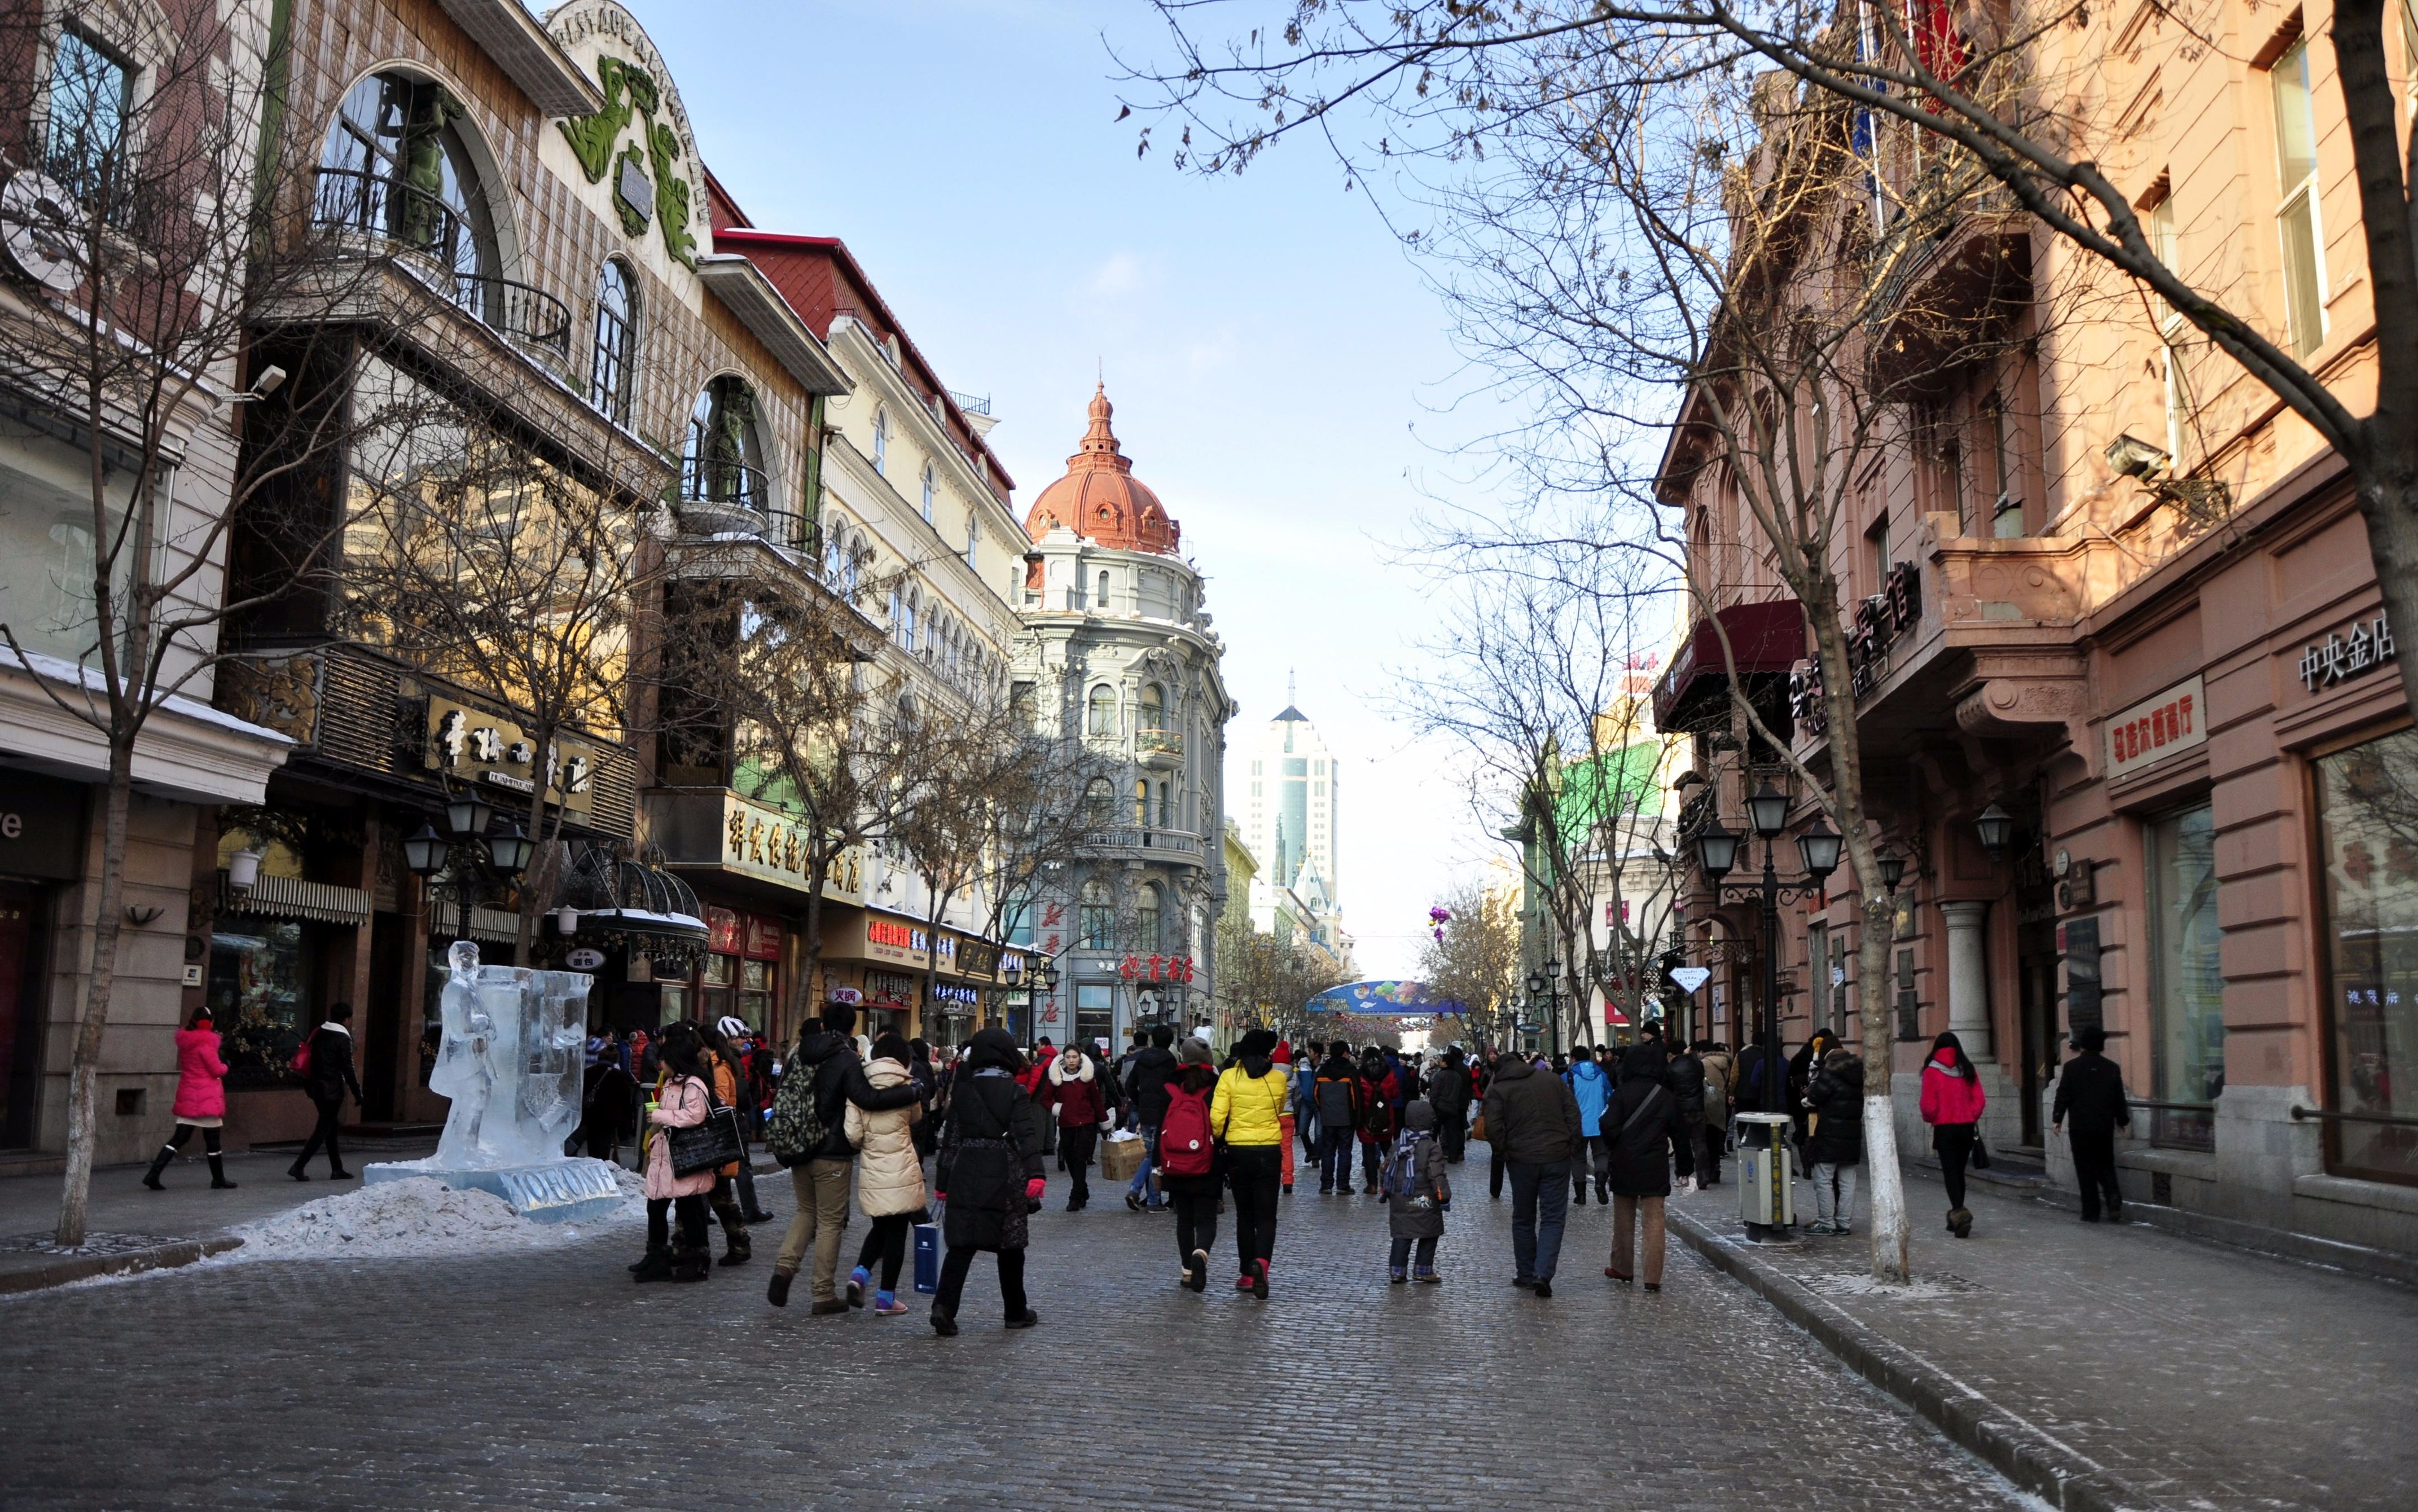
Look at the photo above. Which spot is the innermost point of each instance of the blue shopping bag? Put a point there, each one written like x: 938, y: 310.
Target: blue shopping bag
x: 928, y: 1253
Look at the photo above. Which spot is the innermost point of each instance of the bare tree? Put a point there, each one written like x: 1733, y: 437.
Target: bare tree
x: 2012, y: 93
x: 143, y: 216
x: 1477, y: 961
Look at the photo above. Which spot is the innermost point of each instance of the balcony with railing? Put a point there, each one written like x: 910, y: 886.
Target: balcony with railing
x: 1167, y: 844
x: 379, y: 213
x: 1159, y: 748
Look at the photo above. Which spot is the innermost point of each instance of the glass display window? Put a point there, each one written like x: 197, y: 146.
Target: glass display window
x: 2186, y: 973
x: 2367, y: 830
x: 259, y: 995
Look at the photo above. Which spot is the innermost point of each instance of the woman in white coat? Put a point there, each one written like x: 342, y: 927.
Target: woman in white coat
x: 889, y: 1179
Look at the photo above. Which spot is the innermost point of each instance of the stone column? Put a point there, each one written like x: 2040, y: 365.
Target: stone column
x: 1968, y: 980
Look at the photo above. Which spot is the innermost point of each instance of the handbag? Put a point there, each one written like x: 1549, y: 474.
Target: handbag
x: 1981, y: 1153
x: 707, y: 1146
x: 1477, y: 1127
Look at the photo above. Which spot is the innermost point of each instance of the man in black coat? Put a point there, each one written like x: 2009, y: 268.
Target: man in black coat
x: 829, y: 1056
x: 1154, y: 1067
x: 1533, y: 1120
x: 2090, y: 1094
x: 1448, y: 1094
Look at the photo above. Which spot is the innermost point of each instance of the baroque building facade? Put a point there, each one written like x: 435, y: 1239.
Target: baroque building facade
x: 1117, y: 657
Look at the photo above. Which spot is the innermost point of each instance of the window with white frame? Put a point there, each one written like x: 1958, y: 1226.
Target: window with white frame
x: 2296, y: 215
x: 973, y: 534
x: 931, y: 490
x: 617, y: 338
x: 882, y: 442
x: 2165, y: 239
x: 91, y: 95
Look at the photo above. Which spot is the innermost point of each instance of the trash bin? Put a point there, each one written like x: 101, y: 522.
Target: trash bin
x: 1767, y: 1185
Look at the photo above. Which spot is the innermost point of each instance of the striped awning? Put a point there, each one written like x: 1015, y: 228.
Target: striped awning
x: 497, y: 925
x: 290, y: 897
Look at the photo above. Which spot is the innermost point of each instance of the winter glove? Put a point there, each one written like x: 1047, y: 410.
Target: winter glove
x: 1034, y: 1188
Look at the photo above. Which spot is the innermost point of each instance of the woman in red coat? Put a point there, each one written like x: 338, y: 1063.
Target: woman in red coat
x: 201, y: 1098
x: 1074, y: 1087
x: 1953, y: 1100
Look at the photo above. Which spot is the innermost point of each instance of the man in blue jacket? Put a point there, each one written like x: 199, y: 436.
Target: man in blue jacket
x: 1592, y: 1087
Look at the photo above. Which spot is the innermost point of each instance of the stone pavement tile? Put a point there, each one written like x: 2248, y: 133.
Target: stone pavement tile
x: 548, y: 1381
x: 2205, y: 1376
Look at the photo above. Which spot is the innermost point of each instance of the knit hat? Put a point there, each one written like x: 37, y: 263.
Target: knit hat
x: 1192, y: 1052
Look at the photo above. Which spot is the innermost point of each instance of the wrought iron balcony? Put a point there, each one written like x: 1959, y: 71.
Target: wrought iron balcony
x: 381, y: 208
x: 1148, y: 743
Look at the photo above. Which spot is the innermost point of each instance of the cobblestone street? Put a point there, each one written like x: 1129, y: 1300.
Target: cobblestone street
x: 549, y: 1381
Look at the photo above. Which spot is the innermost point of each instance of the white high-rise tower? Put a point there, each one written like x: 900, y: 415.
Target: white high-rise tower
x: 1292, y: 807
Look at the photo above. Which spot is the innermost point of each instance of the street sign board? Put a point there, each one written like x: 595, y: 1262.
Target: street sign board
x: 1531, y: 1028
x: 1690, y: 977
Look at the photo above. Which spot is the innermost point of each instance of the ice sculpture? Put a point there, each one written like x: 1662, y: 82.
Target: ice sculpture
x: 511, y: 1062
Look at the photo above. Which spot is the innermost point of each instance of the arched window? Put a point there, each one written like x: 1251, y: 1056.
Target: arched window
x: 1096, y: 920
x: 1146, y: 919
x: 1141, y: 803
x: 882, y: 442
x: 834, y: 556
x: 974, y: 533
x: 1098, y: 797
x: 1104, y: 590
x: 853, y: 566
x: 1102, y: 716
x: 1166, y: 806
x: 723, y: 461
x: 931, y: 491
x: 907, y: 623
x: 610, y: 365
x: 1154, y: 707
x: 395, y: 166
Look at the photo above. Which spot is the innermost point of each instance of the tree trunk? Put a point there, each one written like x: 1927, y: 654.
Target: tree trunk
x: 100, y: 981
x: 2391, y: 511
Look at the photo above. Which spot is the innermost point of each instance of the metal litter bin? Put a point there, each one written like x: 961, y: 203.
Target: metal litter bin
x: 1767, y: 1184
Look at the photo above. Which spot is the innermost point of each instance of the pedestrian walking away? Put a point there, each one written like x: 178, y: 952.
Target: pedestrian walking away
x: 1720, y: 1077
x: 1834, y: 1145
x: 1247, y: 1113
x: 1648, y: 1131
x: 721, y: 1062
x: 1189, y: 1176
x: 826, y: 1056
x: 1153, y: 1069
x: 1416, y: 1196
x: 201, y: 1099
x: 1281, y: 1058
x: 1591, y: 1087
x: 2091, y: 1096
x: 1377, y: 1096
x: 1080, y: 1098
x: 608, y: 1105
x: 681, y: 1103
x: 1532, y: 1122
x: 989, y: 1179
x: 327, y: 1076
x: 1338, y: 1094
x: 1952, y: 1101
x: 889, y: 1177
x: 1448, y: 1094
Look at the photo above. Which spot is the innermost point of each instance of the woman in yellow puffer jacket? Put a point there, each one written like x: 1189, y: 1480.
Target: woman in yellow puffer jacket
x: 1247, y: 1114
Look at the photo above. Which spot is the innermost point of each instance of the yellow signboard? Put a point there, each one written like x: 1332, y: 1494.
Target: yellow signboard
x: 762, y: 842
x: 477, y: 747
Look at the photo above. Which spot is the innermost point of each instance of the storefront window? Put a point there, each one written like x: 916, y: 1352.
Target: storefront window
x: 47, y: 536
x: 1095, y: 1013
x: 2187, y: 976
x: 2368, y: 814
x: 258, y: 994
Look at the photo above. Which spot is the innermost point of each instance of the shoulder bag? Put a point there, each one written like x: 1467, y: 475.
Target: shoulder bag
x: 707, y: 1146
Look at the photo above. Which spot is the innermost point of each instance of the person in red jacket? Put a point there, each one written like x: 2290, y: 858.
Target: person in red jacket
x: 1078, y: 1089
x: 201, y: 1098
x: 1953, y: 1100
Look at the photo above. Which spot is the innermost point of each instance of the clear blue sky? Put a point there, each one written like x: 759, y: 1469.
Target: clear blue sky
x: 1269, y: 350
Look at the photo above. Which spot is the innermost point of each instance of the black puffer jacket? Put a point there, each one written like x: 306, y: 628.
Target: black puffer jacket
x: 989, y: 1154
x: 1448, y: 1090
x: 2091, y: 1095
x: 1152, y: 1071
x: 1648, y: 1127
x: 1836, y: 1095
x: 1531, y: 1116
x: 839, y: 1080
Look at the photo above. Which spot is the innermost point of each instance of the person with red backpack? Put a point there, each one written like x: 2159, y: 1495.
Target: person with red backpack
x: 1187, y: 1161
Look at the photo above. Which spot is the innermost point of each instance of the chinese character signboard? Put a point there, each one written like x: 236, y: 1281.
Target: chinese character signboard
x: 476, y: 747
x: 762, y: 842
x: 2341, y: 656
x: 2164, y: 724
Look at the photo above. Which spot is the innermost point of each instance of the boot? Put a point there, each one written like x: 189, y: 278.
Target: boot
x: 159, y: 1163
x: 736, y: 1247
x: 297, y: 1171
x: 218, y: 1173
x: 657, y: 1266
x: 691, y: 1265
x: 778, y: 1292
x: 1578, y: 1198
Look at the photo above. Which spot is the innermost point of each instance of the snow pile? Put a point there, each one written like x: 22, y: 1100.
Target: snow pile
x: 418, y: 1217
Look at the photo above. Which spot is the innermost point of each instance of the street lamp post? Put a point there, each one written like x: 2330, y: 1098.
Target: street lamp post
x: 1818, y: 850
x: 467, y: 818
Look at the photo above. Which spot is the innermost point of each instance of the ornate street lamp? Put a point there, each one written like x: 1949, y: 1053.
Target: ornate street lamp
x: 1716, y: 850
x: 1818, y: 848
x: 424, y: 852
x: 468, y: 815
x: 1998, y: 829
x: 1769, y: 809
x: 1892, y: 870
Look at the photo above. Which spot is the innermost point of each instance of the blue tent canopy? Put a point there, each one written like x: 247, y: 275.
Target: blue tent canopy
x: 1403, y: 1000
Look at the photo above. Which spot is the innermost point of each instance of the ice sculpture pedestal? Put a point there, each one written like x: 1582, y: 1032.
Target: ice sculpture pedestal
x: 511, y: 1062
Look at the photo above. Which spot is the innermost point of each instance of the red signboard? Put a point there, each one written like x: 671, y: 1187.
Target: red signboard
x: 763, y: 939
x: 722, y: 931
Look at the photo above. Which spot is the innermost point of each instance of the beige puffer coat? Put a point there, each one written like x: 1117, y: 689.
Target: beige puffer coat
x: 889, y: 1175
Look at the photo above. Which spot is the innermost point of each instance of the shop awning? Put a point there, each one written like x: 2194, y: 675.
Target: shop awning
x: 290, y: 897
x: 494, y: 925
x: 1766, y: 640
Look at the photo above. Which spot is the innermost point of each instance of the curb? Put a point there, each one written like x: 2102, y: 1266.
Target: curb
x: 132, y: 1262
x: 2024, y: 1454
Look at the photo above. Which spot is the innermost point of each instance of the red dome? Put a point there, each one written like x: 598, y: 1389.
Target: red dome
x: 1099, y: 500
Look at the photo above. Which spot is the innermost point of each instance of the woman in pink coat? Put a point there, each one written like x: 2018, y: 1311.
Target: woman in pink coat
x: 201, y: 1099
x: 1953, y: 1100
x: 681, y: 1103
